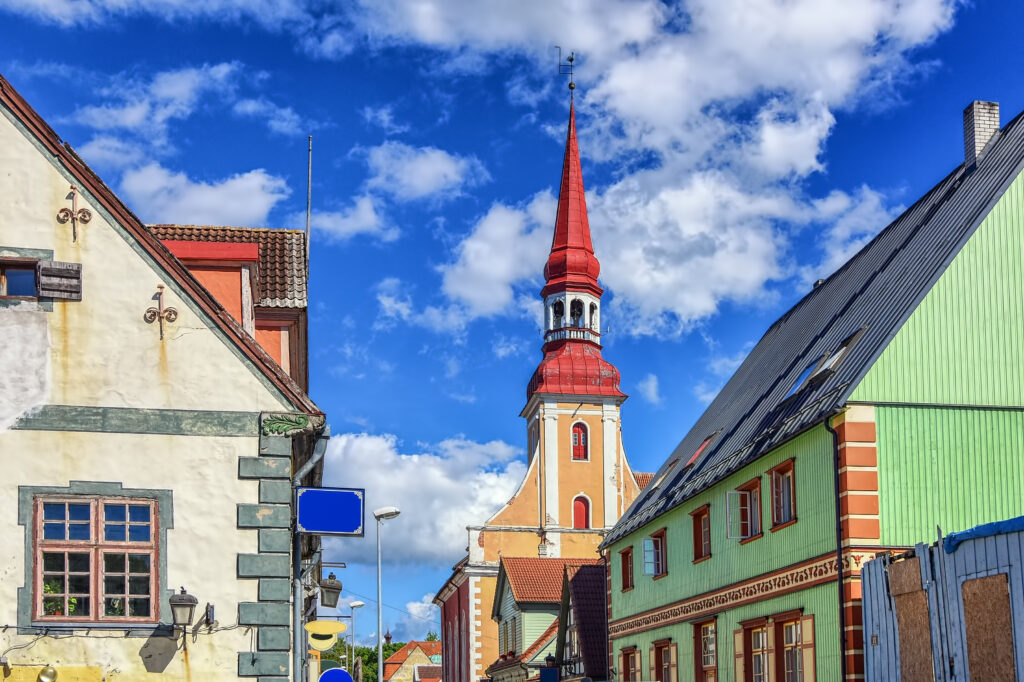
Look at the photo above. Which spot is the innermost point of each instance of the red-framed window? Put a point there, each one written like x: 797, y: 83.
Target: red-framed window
x: 96, y: 559
x: 579, y: 442
x: 581, y: 512
x: 663, y: 661
x: 783, y: 478
x: 629, y: 664
x: 744, y: 511
x: 701, y: 518
x: 705, y: 651
x: 626, y: 568
x: 656, y: 554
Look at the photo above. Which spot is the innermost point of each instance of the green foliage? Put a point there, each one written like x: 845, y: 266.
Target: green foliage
x: 432, y: 637
x: 367, y: 653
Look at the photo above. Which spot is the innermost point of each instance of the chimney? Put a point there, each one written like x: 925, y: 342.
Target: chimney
x: 981, y: 122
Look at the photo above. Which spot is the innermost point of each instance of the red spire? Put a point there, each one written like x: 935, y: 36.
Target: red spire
x: 572, y: 264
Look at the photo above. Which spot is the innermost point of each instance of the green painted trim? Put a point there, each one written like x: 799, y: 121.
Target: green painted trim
x: 44, y: 304
x: 26, y: 495
x: 264, y: 467
x: 275, y: 540
x: 256, y: 613
x: 273, y: 639
x: 275, y: 446
x: 252, y: 664
x: 274, y: 589
x: 276, y: 491
x: 170, y: 281
x: 263, y: 566
x: 137, y: 420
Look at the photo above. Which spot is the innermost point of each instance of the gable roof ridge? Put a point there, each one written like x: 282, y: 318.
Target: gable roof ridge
x: 107, y: 199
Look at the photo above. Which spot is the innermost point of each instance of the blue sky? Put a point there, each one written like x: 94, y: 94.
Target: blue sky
x: 733, y: 152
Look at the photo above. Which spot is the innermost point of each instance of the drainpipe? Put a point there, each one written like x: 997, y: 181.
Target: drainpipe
x: 839, y: 547
x: 298, y: 659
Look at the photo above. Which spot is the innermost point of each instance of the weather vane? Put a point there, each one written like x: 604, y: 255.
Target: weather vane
x: 565, y: 68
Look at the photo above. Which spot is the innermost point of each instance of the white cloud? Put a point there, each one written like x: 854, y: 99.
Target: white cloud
x: 162, y: 196
x: 441, y: 489
x: 362, y: 217
x: 107, y: 151
x: 506, y: 246
x: 705, y: 392
x: 505, y: 347
x: 280, y: 120
x: 409, y: 173
x: 384, y: 118
x: 648, y: 387
x: 146, y: 108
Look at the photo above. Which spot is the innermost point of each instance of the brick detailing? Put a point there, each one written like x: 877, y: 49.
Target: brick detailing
x: 858, y: 508
x: 981, y: 122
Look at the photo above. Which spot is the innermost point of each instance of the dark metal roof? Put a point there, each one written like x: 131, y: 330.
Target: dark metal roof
x: 875, y: 291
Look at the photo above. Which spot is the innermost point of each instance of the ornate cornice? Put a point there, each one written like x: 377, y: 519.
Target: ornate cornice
x: 290, y: 423
x: 797, y: 577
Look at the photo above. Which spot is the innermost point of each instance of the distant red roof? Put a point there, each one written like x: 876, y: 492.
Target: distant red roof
x: 643, y: 479
x: 576, y: 368
x: 539, y: 580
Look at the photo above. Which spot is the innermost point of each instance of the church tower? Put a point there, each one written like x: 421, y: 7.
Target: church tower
x: 578, y: 482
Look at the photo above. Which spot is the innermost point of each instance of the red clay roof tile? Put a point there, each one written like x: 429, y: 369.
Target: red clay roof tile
x: 539, y: 580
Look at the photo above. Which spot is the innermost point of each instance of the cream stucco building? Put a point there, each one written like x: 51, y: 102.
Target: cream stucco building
x: 143, y: 449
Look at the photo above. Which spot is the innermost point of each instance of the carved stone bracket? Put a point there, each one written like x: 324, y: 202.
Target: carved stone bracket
x: 291, y: 424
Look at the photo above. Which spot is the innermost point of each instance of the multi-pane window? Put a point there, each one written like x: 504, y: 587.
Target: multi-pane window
x: 701, y: 532
x: 579, y: 441
x: 95, y: 559
x: 744, y: 511
x: 17, y: 279
x: 626, y: 568
x: 758, y: 654
x: 655, y: 554
x: 783, y: 494
x: 792, y: 656
x: 663, y: 663
x: 706, y: 652
x: 630, y: 664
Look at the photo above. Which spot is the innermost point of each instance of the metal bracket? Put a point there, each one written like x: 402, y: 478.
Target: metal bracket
x: 160, y: 312
x: 74, y: 214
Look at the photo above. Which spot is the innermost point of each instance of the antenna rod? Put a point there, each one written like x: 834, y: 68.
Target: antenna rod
x: 309, y: 201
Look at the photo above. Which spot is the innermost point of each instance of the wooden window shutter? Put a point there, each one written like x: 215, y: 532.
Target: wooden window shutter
x: 737, y: 654
x: 807, y: 647
x: 769, y: 635
x: 59, y: 280
x: 652, y: 664
x: 622, y: 668
x: 673, y: 664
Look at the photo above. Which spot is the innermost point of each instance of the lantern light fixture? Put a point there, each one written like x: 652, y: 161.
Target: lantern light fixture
x: 330, y: 591
x: 183, y: 607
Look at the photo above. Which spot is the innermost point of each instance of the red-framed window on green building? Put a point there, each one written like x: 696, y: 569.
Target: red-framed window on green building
x: 579, y: 442
x: 629, y: 664
x: 662, y: 660
x: 743, y: 509
x: 783, y: 478
x: 701, y: 517
x: 626, y: 568
x: 705, y: 651
x: 656, y: 554
x: 95, y: 559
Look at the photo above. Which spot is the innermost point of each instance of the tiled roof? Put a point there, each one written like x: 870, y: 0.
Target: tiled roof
x: 872, y: 293
x: 539, y: 580
x: 587, y: 595
x: 281, y: 279
x: 393, y: 662
x: 575, y: 368
x: 643, y: 479
x: 427, y: 673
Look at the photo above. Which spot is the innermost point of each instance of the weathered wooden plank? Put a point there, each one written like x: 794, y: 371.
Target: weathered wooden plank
x: 136, y: 420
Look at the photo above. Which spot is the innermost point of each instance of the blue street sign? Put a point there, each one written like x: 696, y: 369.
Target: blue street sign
x: 330, y: 511
x: 335, y: 675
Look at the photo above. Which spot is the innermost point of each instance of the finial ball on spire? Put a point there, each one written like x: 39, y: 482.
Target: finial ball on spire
x: 572, y: 86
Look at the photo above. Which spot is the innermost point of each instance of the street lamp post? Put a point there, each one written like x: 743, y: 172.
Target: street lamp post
x: 381, y: 514
x: 352, y: 636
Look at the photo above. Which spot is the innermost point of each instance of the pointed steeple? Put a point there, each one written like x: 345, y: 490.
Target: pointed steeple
x: 571, y: 264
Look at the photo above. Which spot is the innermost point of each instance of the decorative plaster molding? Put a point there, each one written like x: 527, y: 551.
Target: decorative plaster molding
x: 798, y: 577
x: 290, y: 424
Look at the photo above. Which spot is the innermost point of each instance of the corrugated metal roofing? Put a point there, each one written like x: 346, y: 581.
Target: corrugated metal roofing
x: 875, y: 291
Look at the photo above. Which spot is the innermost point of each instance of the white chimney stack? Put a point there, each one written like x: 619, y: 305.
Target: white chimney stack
x: 981, y: 122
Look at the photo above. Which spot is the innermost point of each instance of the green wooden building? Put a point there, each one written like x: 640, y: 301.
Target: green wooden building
x: 886, y: 402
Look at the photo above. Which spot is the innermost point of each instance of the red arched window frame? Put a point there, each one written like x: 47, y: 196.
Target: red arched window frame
x: 581, y: 512
x: 579, y: 441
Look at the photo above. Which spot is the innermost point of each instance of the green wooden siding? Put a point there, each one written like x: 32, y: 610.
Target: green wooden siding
x: 964, y: 345
x: 820, y: 601
x: 535, y: 622
x: 951, y: 467
x: 813, y: 535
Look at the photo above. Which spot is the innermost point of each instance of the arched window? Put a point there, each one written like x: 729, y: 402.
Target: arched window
x: 593, y: 317
x: 557, y: 313
x: 576, y: 313
x: 581, y: 512
x: 579, y: 441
